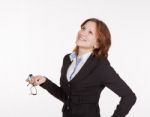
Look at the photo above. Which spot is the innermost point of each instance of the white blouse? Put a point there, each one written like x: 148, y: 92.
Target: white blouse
x: 72, y: 71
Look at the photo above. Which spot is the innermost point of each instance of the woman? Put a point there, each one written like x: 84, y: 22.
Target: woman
x: 86, y: 72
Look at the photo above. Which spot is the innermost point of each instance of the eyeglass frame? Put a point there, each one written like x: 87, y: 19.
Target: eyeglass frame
x: 33, y: 86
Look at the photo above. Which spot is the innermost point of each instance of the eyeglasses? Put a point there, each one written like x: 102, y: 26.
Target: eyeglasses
x: 33, y: 89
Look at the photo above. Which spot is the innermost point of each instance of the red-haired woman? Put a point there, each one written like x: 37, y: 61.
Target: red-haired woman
x: 86, y: 72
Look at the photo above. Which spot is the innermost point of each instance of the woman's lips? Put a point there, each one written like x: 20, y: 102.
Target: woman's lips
x: 82, y: 39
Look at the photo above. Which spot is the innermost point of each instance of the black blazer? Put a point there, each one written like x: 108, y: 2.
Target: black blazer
x: 81, y: 95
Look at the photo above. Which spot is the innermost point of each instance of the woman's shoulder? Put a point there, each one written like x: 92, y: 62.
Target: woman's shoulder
x: 103, y: 61
x: 66, y: 57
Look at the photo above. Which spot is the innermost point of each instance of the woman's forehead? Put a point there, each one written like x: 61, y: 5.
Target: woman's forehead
x: 91, y: 25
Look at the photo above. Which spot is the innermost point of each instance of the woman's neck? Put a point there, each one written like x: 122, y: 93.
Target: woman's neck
x: 83, y: 51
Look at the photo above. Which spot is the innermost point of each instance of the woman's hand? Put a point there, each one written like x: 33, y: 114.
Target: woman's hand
x: 37, y: 80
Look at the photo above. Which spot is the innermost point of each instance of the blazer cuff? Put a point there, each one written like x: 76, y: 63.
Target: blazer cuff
x: 46, y: 84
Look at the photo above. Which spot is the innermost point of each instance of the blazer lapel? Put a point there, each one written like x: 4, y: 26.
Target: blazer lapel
x: 89, y: 65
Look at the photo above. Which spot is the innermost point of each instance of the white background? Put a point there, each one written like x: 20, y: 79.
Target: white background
x: 36, y: 34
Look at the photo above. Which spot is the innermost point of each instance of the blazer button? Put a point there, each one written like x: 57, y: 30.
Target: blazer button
x: 67, y: 107
x: 68, y: 97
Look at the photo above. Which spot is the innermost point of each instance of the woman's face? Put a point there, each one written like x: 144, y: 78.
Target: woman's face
x: 86, y: 37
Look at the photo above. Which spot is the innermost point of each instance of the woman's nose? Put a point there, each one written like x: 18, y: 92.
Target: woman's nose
x: 83, y: 32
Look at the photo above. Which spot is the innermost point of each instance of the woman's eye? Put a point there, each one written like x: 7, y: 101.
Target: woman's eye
x: 90, y: 32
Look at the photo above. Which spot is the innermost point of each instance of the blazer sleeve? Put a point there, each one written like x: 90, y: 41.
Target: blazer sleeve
x: 53, y: 89
x: 113, y: 81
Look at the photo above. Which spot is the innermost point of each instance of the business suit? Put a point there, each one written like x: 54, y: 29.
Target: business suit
x: 81, y: 95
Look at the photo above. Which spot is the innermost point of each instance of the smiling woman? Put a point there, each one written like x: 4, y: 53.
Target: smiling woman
x: 97, y: 35
x: 86, y: 72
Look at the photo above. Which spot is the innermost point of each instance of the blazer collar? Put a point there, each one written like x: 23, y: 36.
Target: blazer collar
x: 89, y: 65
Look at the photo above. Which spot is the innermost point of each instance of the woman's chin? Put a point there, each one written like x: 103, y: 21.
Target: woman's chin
x: 80, y: 43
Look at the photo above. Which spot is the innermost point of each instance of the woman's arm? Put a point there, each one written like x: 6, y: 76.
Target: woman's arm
x: 113, y: 81
x: 53, y: 89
